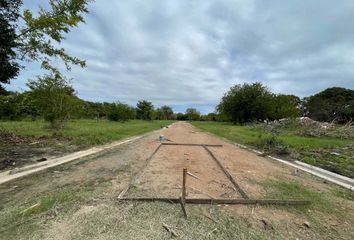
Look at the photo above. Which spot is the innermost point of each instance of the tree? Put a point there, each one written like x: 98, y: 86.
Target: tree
x: 247, y: 102
x: 38, y: 36
x: 192, y: 114
x: 16, y: 106
x: 164, y: 113
x: 331, y: 104
x: 55, y: 98
x: 120, y: 112
x: 285, y: 106
x: 144, y: 110
x: 9, y: 14
x: 181, y: 117
x: 211, y: 117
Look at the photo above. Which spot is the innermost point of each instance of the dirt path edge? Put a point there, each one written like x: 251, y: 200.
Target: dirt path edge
x: 335, y: 178
x: 33, y: 168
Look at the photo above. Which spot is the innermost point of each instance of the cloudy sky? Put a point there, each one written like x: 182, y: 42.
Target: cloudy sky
x: 187, y: 53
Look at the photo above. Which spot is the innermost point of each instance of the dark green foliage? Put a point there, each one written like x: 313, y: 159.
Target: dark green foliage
x: 144, y: 110
x: 331, y: 104
x: 16, y: 106
x: 247, y: 102
x: 254, y: 102
x: 120, y: 112
x: 164, y: 113
x: 181, y: 117
x: 192, y: 114
x: 285, y: 106
x: 54, y: 97
x: 209, y: 117
x: 9, y: 68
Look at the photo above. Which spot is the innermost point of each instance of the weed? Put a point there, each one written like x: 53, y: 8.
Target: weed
x: 273, y: 145
x: 344, y: 194
x: 284, y: 140
x: 83, y: 132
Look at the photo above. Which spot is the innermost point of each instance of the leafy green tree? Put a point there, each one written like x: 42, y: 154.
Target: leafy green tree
x: 157, y: 114
x: 16, y: 106
x: 247, y: 102
x: 9, y: 14
x: 167, y: 112
x: 285, y: 106
x: 9, y: 107
x: 181, y: 117
x: 39, y: 35
x: 164, y: 113
x: 120, y: 112
x: 144, y: 110
x: 331, y: 104
x: 55, y: 98
x: 211, y: 117
x: 192, y: 114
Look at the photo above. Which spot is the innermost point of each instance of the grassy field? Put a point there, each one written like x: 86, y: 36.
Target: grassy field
x: 26, y: 142
x: 84, y: 132
x: 331, y: 153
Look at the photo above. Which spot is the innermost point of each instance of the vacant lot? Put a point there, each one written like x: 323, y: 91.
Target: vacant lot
x: 28, y: 141
x: 334, y: 154
x: 79, y: 200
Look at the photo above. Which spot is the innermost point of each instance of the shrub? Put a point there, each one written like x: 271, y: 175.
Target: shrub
x: 273, y: 145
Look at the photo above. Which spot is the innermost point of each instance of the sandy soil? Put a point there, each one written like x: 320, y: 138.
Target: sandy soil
x: 163, y: 175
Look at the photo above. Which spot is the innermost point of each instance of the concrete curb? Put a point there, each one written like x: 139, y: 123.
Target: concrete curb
x: 33, y: 168
x: 337, y: 179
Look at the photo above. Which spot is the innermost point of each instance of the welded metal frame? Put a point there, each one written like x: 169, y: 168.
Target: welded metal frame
x: 244, y: 200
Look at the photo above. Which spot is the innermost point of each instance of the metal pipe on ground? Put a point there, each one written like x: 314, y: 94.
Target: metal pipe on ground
x: 192, y: 144
x: 139, y: 173
x: 229, y: 176
x: 223, y: 201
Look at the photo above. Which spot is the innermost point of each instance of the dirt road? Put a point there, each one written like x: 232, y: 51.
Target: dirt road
x: 79, y: 200
x: 163, y: 174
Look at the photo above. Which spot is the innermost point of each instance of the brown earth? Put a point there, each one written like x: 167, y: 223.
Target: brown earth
x: 100, y: 178
x: 163, y: 175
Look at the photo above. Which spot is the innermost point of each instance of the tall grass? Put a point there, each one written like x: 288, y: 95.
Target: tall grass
x: 84, y: 132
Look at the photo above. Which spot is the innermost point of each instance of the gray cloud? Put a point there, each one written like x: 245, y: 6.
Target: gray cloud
x: 188, y: 53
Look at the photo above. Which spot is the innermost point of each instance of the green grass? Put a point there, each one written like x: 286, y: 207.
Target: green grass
x: 249, y: 135
x: 29, y: 209
x: 312, y: 150
x: 84, y: 132
x: 324, y: 205
x: 294, y: 190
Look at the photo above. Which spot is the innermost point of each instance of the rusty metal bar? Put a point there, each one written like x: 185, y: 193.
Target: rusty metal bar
x: 184, y: 193
x: 223, y: 201
x: 229, y: 176
x: 123, y: 192
x: 192, y: 144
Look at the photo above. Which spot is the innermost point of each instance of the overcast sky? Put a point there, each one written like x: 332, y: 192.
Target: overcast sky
x: 187, y: 53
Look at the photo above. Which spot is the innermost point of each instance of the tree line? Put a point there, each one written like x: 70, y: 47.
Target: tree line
x: 53, y: 99
x: 255, y: 102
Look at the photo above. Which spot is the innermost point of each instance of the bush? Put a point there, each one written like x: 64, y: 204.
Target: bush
x: 273, y: 145
x: 120, y: 112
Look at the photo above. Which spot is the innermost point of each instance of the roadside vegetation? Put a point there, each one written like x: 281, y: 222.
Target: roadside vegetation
x: 83, y: 132
x: 25, y: 142
x: 317, y: 130
x: 329, y: 152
